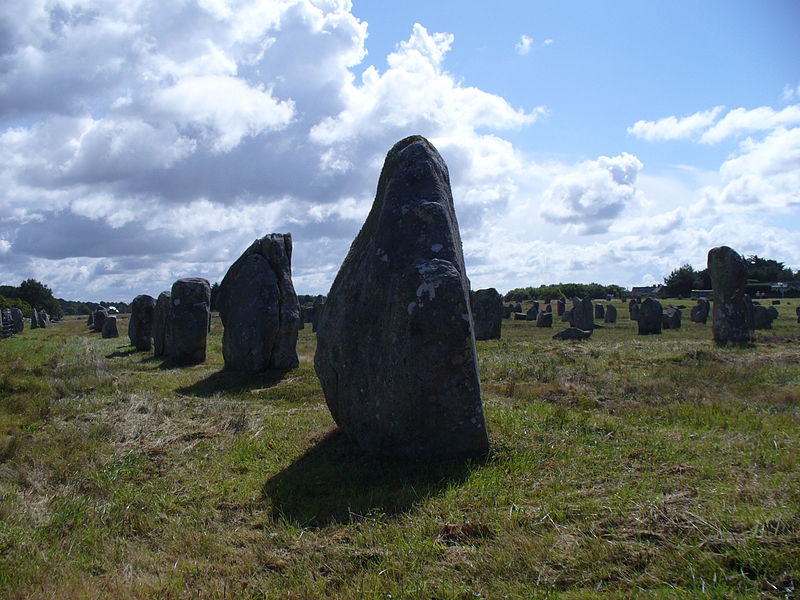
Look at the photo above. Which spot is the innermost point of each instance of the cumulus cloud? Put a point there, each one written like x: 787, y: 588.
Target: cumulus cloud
x: 674, y: 128
x: 524, y: 45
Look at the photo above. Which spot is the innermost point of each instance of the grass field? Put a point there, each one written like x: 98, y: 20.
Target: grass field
x: 620, y: 467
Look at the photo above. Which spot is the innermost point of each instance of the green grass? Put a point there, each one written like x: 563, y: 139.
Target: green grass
x: 623, y: 466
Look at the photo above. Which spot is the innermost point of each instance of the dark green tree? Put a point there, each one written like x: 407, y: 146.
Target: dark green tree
x: 680, y: 282
x: 764, y: 270
x: 38, y: 295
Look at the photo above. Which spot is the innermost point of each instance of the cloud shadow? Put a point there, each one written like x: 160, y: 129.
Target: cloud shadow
x: 335, y: 482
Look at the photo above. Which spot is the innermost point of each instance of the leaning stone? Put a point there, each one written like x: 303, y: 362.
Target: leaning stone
x: 611, y: 314
x: 545, y: 319
x: 110, y: 328
x: 572, y: 333
x: 487, y: 312
x: 259, y: 308
x: 142, y: 312
x: 162, y: 325
x: 189, y: 318
x: 650, y: 317
x: 728, y: 271
x: 395, y: 345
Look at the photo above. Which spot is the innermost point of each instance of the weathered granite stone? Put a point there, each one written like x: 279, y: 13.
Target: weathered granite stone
x: 566, y: 317
x: 633, y: 309
x: 316, y: 311
x: 561, y: 306
x: 533, y: 312
x: 573, y: 333
x: 142, y: 312
x: 671, y: 318
x: 519, y: 316
x: 110, y: 328
x: 17, y: 319
x: 582, y: 315
x: 761, y: 317
x: 517, y: 307
x: 700, y: 311
x: 599, y: 311
x: 611, y: 314
x: 395, y: 346
x: 259, y: 308
x: 90, y: 319
x: 545, y: 319
x: 5, y: 317
x: 189, y: 317
x: 773, y: 313
x: 162, y: 325
x: 487, y: 312
x: 507, y: 310
x: 728, y: 271
x: 650, y: 317
x: 34, y: 319
x: 100, y: 316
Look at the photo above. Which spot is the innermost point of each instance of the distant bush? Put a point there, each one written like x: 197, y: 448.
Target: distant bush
x: 564, y: 290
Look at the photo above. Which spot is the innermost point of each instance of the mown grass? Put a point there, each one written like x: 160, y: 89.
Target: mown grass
x: 620, y: 467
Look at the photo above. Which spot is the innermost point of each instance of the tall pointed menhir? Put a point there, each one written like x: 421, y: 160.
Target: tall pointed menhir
x: 395, y: 345
x: 728, y: 271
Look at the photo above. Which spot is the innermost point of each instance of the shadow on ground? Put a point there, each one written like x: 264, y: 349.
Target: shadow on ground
x: 122, y: 353
x: 228, y: 381
x: 334, y: 482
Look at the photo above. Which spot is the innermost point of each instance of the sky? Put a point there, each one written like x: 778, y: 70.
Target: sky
x: 145, y: 141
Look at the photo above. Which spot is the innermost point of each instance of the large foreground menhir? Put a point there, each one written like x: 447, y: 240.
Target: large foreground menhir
x: 395, y: 346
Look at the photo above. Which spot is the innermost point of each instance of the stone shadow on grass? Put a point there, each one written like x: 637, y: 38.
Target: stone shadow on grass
x: 334, y: 482
x: 122, y: 353
x: 232, y: 382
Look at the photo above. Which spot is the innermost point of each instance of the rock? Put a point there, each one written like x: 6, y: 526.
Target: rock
x: 17, y: 319
x: 110, y: 328
x: 316, y: 311
x: 650, y: 317
x: 776, y: 302
x: 728, y: 271
x: 34, y: 319
x: 599, y: 311
x: 517, y: 308
x: 700, y: 311
x: 572, y: 333
x: 671, y: 318
x: 567, y: 316
x: 259, y: 308
x: 99, y: 319
x: 142, y: 313
x: 395, y: 346
x: 545, y: 319
x: 487, y: 312
x: 189, y: 319
x: 633, y: 309
x: 520, y: 316
x: 761, y: 317
x: 162, y: 325
x: 507, y: 311
x: 90, y: 320
x: 532, y: 313
x: 611, y: 314
x: 797, y: 310
x: 582, y: 314
x: 773, y: 313
x: 561, y: 306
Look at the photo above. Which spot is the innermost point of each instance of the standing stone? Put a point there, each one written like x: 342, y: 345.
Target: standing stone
x: 18, y: 320
x: 90, y: 320
x: 545, y: 319
x: 5, y: 317
x: 142, y: 311
x: 761, y: 318
x: 110, y: 328
x: 700, y: 311
x: 519, y: 316
x: 599, y: 311
x: 487, y: 313
x: 44, y: 318
x: 611, y: 314
x: 561, y: 306
x: 797, y: 310
x: 259, y: 308
x: 773, y: 313
x: 316, y: 311
x: 34, y: 319
x: 100, y: 316
x: 533, y: 312
x: 671, y: 318
x: 395, y: 346
x: 507, y: 311
x: 162, y: 325
x: 191, y: 301
x: 728, y: 271
x: 567, y: 316
x: 633, y: 309
x: 582, y: 315
x: 517, y: 307
x: 650, y: 317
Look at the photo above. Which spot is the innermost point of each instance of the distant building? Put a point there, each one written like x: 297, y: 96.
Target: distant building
x: 647, y: 290
x: 702, y: 293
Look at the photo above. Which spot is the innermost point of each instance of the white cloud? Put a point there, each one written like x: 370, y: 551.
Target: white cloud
x: 790, y: 93
x: 524, y: 45
x: 675, y: 128
x: 741, y: 121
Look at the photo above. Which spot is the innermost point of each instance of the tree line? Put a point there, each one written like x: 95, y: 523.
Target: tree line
x: 32, y: 294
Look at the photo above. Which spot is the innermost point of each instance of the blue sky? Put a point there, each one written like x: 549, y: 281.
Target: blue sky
x: 143, y: 142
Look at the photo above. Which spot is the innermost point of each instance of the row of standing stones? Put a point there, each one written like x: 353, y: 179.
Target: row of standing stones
x: 396, y: 334
x: 13, y: 321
